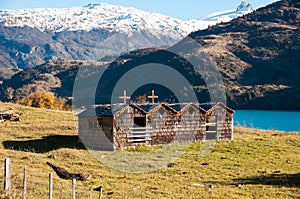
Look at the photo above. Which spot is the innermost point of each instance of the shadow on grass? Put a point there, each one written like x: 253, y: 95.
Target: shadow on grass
x: 283, y: 180
x: 46, y: 144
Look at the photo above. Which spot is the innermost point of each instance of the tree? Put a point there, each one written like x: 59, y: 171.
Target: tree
x: 43, y: 99
x: 142, y: 99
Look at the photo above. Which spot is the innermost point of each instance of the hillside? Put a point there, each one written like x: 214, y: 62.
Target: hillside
x: 57, y: 76
x: 257, y: 55
x: 30, y: 37
x: 256, y: 164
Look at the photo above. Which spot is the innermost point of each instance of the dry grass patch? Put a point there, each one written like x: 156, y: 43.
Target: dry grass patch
x: 257, y: 164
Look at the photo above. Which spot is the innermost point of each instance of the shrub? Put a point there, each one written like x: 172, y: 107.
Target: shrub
x: 43, y: 99
x: 141, y: 99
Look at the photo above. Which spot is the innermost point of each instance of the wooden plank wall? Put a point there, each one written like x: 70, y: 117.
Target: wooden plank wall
x: 165, y: 125
x: 162, y: 121
x: 94, y: 134
x: 224, y: 122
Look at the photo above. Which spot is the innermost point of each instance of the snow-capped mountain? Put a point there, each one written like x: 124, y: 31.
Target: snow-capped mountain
x: 32, y: 36
x: 100, y: 16
x: 227, y: 15
x: 111, y: 17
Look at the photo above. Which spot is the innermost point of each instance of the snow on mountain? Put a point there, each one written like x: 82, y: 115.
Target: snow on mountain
x: 98, y: 16
x: 227, y: 15
x: 114, y: 18
x: 30, y: 37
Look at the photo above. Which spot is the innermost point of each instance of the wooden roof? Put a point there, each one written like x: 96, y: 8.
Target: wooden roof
x: 102, y: 110
x: 112, y: 109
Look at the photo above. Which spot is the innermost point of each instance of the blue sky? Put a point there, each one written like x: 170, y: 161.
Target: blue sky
x: 184, y: 9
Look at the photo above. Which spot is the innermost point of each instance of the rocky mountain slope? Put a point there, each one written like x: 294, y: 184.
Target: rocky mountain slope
x: 31, y: 37
x: 258, y: 56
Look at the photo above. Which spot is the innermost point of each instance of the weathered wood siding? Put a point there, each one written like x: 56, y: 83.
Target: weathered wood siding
x: 163, y: 125
x: 123, y: 122
x: 200, y: 136
x: 190, y: 124
x: 226, y: 132
x: 96, y: 132
x: 162, y: 122
x: 224, y: 121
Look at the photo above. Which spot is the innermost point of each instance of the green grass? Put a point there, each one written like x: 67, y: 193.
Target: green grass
x: 266, y: 164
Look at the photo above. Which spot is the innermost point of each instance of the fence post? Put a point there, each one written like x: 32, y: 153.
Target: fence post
x: 100, y: 193
x: 50, y: 185
x: 73, y: 188
x: 24, y: 183
x: 7, y: 174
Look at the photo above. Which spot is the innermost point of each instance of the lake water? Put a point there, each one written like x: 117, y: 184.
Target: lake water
x: 279, y: 120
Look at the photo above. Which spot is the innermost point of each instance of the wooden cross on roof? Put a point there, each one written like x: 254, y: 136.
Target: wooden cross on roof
x: 124, y: 97
x: 153, y: 97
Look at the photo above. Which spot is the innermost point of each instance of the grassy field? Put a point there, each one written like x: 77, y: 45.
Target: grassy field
x: 257, y: 164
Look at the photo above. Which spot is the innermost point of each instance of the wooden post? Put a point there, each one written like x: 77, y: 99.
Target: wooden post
x: 7, y: 174
x: 24, y: 183
x: 100, y: 193
x: 73, y: 188
x: 99, y: 189
x: 50, y: 185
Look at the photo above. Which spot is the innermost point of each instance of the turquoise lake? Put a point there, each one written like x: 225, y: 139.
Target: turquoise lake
x: 278, y: 120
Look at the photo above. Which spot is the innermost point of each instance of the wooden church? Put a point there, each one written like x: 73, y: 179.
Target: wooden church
x: 118, y: 126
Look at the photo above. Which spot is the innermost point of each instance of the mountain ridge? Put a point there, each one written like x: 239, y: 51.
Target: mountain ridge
x: 227, y: 15
x: 85, y: 33
x: 257, y: 54
x: 104, y: 16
